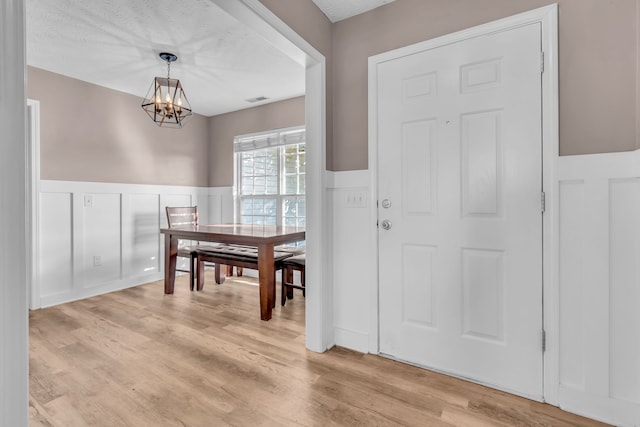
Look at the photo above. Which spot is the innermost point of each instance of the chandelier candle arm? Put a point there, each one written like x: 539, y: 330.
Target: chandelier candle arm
x: 166, y: 102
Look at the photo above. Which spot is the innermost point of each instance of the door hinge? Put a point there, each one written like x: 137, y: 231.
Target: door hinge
x: 543, y: 202
x: 544, y: 341
x: 541, y: 62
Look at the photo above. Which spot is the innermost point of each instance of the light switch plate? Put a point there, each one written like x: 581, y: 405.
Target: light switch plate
x: 356, y: 199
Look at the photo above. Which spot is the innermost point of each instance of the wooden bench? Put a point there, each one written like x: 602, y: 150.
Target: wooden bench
x: 232, y: 255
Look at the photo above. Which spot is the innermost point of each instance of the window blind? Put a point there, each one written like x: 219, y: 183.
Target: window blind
x: 269, y: 139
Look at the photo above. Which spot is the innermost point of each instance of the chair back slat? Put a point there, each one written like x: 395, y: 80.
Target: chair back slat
x: 183, y: 215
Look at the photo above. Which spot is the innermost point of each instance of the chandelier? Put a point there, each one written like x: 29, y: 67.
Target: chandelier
x: 166, y: 103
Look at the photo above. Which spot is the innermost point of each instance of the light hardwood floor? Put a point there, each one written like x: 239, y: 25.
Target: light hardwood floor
x: 140, y: 358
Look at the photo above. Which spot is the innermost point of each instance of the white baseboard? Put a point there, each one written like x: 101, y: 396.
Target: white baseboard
x: 64, y: 297
x: 352, y: 340
x: 599, y: 407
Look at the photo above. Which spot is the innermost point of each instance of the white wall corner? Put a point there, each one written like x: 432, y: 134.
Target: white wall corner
x: 351, y: 201
x: 15, y: 201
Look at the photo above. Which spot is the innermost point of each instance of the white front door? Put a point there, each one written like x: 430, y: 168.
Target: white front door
x: 459, y: 182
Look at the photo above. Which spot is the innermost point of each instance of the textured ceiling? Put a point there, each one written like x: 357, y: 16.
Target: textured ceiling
x: 337, y: 10
x: 115, y: 43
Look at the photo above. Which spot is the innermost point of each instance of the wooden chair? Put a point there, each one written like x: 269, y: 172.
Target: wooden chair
x: 289, y: 265
x: 188, y: 215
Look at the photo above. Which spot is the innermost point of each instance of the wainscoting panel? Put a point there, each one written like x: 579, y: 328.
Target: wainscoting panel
x: 140, y: 228
x: 572, y: 369
x: 599, y: 286
x: 56, y: 244
x: 96, y: 238
x: 352, y: 274
x: 101, y: 260
x: 624, y: 290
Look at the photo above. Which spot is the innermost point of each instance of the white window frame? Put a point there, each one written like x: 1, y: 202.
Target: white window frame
x: 261, y: 140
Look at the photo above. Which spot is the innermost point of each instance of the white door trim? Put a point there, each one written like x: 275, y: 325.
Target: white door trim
x: 14, y: 332
x: 33, y: 193
x: 547, y: 16
x: 319, y: 301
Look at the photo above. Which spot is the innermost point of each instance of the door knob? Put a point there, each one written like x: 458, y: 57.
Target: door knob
x: 386, y: 224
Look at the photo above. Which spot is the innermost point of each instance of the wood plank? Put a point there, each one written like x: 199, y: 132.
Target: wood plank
x: 139, y: 357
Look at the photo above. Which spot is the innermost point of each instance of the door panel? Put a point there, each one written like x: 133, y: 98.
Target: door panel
x: 459, y: 158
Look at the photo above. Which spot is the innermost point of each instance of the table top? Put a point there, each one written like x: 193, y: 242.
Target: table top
x: 238, y: 233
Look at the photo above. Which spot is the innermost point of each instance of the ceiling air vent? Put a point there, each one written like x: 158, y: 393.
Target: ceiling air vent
x: 258, y: 99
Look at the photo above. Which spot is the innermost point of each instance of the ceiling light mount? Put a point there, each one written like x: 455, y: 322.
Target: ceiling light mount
x: 168, y: 57
x: 166, y: 102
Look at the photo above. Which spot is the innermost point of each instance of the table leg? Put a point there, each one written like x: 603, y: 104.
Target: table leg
x: 170, y: 256
x: 200, y: 280
x: 267, y: 279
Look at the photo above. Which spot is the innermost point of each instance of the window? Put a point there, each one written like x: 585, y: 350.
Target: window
x: 270, y: 178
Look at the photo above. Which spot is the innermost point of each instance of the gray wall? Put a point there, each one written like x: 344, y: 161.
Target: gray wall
x: 599, y: 53
x: 304, y: 17
x: 598, y: 65
x: 91, y: 133
x: 224, y: 127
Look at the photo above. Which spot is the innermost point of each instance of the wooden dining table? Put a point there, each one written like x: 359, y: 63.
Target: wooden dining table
x: 264, y: 237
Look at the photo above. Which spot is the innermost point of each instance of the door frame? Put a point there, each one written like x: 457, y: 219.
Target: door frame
x: 547, y: 16
x: 319, y: 301
x: 33, y: 208
x: 319, y: 308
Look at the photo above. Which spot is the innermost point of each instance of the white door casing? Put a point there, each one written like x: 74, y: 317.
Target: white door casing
x: 459, y: 159
x: 33, y: 183
x: 253, y: 13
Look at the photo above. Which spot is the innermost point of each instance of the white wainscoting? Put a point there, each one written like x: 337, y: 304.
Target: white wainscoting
x: 352, y: 275
x: 101, y: 237
x: 599, y: 283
